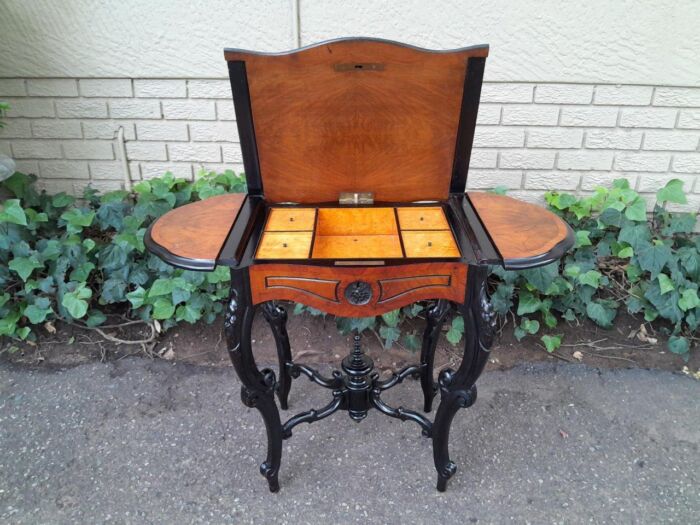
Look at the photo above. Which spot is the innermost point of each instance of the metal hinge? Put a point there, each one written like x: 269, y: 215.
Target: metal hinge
x: 356, y: 198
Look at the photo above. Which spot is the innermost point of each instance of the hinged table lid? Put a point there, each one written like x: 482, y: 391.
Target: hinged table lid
x: 356, y: 115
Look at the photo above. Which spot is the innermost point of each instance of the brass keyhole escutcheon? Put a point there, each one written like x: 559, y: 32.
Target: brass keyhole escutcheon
x: 430, y: 243
x: 284, y: 245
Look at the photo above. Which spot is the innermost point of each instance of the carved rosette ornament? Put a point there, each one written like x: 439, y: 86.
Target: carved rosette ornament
x: 486, y: 319
x: 358, y: 293
x: 231, y: 317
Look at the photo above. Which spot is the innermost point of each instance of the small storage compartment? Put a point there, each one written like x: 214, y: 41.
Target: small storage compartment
x: 291, y: 219
x: 284, y: 245
x: 357, y: 233
x: 422, y: 244
x: 422, y: 218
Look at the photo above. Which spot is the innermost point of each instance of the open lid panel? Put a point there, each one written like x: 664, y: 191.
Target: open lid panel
x: 356, y: 116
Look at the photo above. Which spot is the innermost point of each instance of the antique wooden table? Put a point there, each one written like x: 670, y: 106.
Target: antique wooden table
x: 356, y: 153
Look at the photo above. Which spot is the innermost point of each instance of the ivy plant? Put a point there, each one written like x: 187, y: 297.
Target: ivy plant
x: 78, y: 260
x: 621, y: 259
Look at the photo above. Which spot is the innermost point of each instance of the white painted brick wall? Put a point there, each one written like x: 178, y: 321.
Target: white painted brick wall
x: 530, y: 137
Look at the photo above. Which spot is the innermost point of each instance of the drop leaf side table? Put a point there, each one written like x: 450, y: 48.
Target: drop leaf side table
x: 356, y: 153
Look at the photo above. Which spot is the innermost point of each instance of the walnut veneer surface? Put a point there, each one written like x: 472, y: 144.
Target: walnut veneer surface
x: 325, y: 287
x: 197, y: 231
x: 356, y: 115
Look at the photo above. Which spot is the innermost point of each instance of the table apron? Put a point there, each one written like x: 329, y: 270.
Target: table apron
x: 358, y: 291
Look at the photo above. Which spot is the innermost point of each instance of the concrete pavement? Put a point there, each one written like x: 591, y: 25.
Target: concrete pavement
x: 139, y: 441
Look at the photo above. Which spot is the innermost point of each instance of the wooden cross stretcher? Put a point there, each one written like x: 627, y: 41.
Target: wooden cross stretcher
x: 356, y: 153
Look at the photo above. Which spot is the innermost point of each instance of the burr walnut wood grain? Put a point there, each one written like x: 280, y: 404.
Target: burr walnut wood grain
x: 422, y: 218
x: 518, y: 229
x: 324, y: 287
x: 291, y: 219
x: 326, y: 124
x: 198, y: 230
x: 427, y: 244
x: 284, y: 245
x: 357, y: 247
x: 356, y: 221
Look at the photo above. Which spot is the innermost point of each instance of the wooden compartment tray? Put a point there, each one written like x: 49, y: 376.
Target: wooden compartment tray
x: 358, y: 233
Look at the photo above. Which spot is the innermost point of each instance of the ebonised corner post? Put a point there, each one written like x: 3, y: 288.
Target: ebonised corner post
x: 258, y: 389
x: 458, y: 388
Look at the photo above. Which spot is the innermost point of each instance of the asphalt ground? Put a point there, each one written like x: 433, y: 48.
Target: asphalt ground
x: 139, y: 441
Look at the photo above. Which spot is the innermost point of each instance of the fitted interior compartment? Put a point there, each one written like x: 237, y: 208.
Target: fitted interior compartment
x: 357, y: 233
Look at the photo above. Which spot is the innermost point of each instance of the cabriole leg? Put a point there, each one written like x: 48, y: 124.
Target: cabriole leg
x: 457, y: 388
x: 276, y: 317
x: 436, y: 314
x: 258, y: 386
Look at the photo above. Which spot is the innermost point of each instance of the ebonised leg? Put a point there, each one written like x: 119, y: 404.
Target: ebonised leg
x: 258, y: 386
x: 436, y: 314
x: 276, y: 316
x: 457, y: 388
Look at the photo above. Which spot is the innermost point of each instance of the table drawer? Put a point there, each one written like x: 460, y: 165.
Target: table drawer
x: 358, y: 291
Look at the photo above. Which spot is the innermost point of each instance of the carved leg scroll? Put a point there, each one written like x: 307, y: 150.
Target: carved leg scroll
x: 258, y: 385
x: 457, y: 388
x: 436, y: 314
x: 276, y: 317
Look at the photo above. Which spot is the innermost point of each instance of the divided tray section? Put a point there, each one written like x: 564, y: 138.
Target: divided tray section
x: 357, y: 233
x: 360, y: 233
x: 426, y: 232
x: 288, y: 234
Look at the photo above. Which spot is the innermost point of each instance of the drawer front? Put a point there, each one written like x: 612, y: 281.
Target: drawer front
x: 358, y: 291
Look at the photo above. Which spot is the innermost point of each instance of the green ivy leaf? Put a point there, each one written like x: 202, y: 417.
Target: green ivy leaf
x: 391, y: 318
x: 635, y: 235
x: 582, y: 238
x: 678, y: 345
x: 590, y: 278
x: 689, y: 300
x: 541, y: 277
x: 77, y: 219
x: 163, y: 308
x: 221, y: 274
x: 600, y: 314
x: 75, y: 301
x: 551, y: 342
x: 96, y: 318
x: 185, y: 312
x: 137, y: 298
x: 653, y: 257
x: 61, y: 200
x: 626, y: 253
x: 24, y: 266
x: 390, y: 334
x: 637, y: 210
x: 161, y: 287
x: 665, y: 283
x: 528, y: 303
x: 530, y: 326
x: 13, y: 213
x: 35, y: 314
x: 454, y: 334
x: 672, y: 192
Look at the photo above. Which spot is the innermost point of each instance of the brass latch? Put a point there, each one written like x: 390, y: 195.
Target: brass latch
x: 356, y: 198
